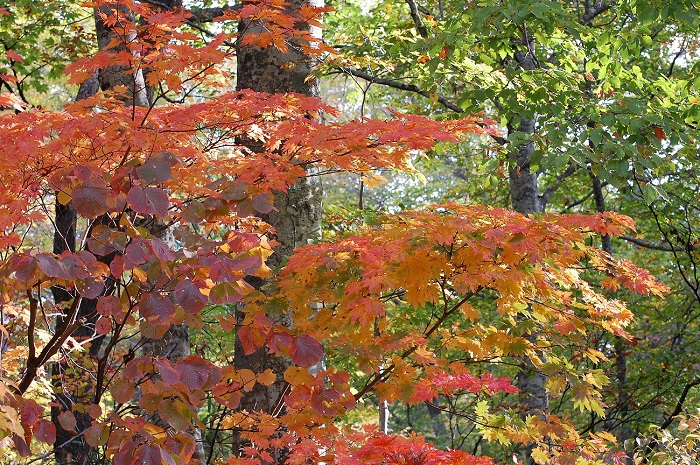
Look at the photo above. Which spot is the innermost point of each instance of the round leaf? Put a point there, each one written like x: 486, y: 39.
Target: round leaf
x: 306, y: 351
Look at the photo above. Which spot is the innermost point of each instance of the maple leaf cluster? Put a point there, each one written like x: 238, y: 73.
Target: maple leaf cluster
x: 132, y: 173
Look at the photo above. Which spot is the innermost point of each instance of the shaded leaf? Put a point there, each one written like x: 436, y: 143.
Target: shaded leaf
x: 189, y: 297
x: 97, y: 435
x: 67, y: 420
x: 155, y: 170
x: 90, y: 199
x: 306, y: 351
x: 147, y: 454
x: 45, y: 431
x: 122, y: 390
x: 156, y: 308
x: 149, y: 200
x: 263, y: 203
x: 21, y: 446
x: 90, y: 287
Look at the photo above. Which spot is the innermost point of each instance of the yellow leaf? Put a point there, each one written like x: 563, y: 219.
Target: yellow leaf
x: 63, y: 198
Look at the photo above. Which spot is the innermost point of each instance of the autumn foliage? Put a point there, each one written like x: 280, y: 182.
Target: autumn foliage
x: 418, y: 303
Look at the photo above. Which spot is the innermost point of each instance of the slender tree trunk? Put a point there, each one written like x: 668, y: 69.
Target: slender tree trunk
x: 623, y: 432
x: 70, y: 383
x: 297, y: 214
x: 65, y: 379
x: 526, y: 199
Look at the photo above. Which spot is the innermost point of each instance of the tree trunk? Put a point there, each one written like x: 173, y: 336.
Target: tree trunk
x: 623, y: 432
x: 65, y: 379
x: 297, y: 214
x: 526, y: 199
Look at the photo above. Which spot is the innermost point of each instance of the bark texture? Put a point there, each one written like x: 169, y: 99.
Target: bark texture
x: 297, y: 214
x: 526, y: 199
x: 114, y: 76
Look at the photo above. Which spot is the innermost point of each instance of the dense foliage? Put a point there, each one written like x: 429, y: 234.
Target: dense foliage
x: 452, y: 306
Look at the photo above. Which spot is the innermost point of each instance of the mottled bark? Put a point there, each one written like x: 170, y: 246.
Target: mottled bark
x: 113, y: 76
x: 297, y: 214
x: 526, y: 199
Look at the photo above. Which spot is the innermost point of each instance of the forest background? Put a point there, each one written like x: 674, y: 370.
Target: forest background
x: 462, y: 331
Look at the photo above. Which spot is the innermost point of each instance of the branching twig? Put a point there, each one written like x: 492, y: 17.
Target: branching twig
x: 412, y: 88
x: 416, y: 18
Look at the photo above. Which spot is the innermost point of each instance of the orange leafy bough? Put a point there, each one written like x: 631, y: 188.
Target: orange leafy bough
x: 417, y: 302
x: 130, y: 173
x: 423, y: 300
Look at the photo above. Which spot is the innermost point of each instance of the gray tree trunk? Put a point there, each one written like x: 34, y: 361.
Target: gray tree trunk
x: 297, y: 214
x: 526, y: 199
x: 175, y: 343
x: 114, y: 76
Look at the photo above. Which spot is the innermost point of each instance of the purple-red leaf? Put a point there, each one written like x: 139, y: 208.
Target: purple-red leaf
x: 306, y: 351
x: 147, y: 454
x: 167, y: 372
x: 161, y: 249
x: 51, y: 266
x: 189, y: 297
x: 90, y: 287
x: 137, y: 253
x: 262, y: 203
x: 90, y: 199
x: 155, y: 170
x: 149, y: 200
x: 21, y: 446
x: 110, y: 306
x: 156, y: 308
x: 26, y: 269
x: 194, y: 371
x: 45, y: 431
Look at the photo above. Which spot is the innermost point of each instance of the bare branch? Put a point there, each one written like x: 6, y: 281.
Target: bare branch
x: 411, y: 88
x: 547, y: 194
x: 650, y: 245
x: 416, y: 18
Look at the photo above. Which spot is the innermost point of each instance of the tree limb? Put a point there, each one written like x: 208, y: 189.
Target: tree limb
x: 411, y: 88
x: 594, y: 10
x: 417, y: 19
x: 547, y: 194
x: 651, y: 245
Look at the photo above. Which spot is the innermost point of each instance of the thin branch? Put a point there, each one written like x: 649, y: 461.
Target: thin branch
x: 417, y: 19
x: 384, y: 374
x: 547, y: 194
x: 675, y: 58
x: 650, y: 245
x: 411, y: 88
x: 32, y: 326
x: 679, y: 404
x: 577, y: 202
x: 594, y: 10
